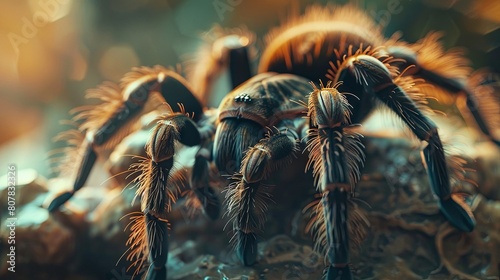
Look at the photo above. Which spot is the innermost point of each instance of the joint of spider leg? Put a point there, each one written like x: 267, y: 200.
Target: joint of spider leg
x: 246, y: 230
x: 328, y: 108
x: 432, y: 136
x: 405, y: 59
x: 368, y: 70
x: 155, y: 215
x: 341, y: 186
x: 255, y: 164
x: 271, y: 150
x: 162, y: 142
x: 89, y: 136
x: 340, y: 265
x: 97, y: 138
x: 161, y: 77
x: 136, y: 93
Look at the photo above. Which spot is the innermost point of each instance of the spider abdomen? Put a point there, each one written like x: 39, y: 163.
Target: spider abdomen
x: 315, y: 45
x: 305, y: 46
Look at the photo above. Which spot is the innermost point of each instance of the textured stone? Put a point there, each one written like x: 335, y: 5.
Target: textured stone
x: 28, y: 183
x: 41, y: 240
x: 407, y: 237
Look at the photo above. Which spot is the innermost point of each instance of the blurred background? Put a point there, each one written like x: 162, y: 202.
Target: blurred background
x: 53, y: 50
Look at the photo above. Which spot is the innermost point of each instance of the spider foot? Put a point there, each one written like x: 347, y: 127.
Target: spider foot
x: 339, y: 273
x: 156, y: 273
x: 456, y: 210
x: 59, y: 200
x: 246, y: 248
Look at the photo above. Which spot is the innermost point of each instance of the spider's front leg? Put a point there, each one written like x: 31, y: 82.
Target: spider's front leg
x: 137, y: 98
x: 335, y: 156
x: 259, y: 103
x: 376, y: 79
x: 158, y: 189
x: 247, y: 196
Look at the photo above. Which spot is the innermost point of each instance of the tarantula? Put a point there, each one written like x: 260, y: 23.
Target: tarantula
x: 338, y: 44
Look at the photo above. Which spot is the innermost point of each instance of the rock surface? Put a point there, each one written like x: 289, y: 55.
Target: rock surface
x: 407, y: 237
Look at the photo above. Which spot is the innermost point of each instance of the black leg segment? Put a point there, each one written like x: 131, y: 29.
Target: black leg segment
x: 157, y: 234
x: 433, y: 155
x: 337, y: 234
x: 200, y: 184
x: 376, y: 79
x: 452, y: 85
x: 136, y: 94
x: 88, y: 160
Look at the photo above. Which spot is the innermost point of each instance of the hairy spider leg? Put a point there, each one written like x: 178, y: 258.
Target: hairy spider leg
x: 451, y: 84
x: 243, y: 149
x: 376, y: 79
x: 157, y: 198
x: 334, y: 156
x: 248, y: 195
x: 200, y: 182
x: 158, y: 189
x: 171, y: 86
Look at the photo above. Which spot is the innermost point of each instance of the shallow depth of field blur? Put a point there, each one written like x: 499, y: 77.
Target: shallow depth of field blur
x: 51, y: 51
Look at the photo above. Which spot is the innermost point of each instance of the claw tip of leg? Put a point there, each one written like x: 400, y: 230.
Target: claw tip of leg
x: 458, y: 214
x: 339, y: 273
x: 59, y: 200
x: 247, y: 248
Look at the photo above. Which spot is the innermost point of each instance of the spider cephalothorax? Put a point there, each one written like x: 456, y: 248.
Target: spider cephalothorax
x: 267, y: 119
